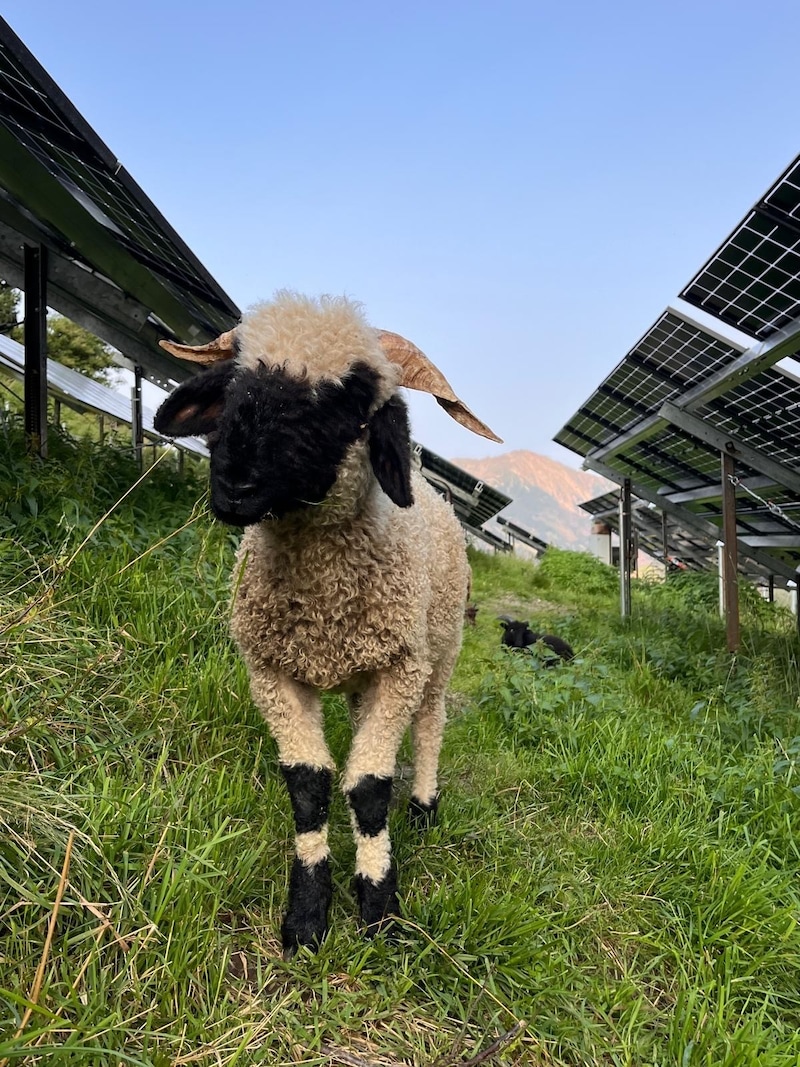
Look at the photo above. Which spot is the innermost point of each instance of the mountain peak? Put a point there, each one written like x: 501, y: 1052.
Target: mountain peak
x: 545, y: 494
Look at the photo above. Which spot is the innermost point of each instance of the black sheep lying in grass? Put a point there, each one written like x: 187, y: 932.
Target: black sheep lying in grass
x: 518, y: 634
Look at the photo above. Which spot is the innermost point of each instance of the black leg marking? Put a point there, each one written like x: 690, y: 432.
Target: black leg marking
x: 376, y: 875
x: 310, y: 892
x: 377, y: 902
x: 310, y: 793
x: 422, y: 815
x: 370, y: 803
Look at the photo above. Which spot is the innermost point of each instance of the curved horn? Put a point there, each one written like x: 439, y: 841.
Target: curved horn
x: 419, y: 373
x: 222, y: 347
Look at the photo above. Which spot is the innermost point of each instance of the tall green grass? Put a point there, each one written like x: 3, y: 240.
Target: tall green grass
x: 616, y: 863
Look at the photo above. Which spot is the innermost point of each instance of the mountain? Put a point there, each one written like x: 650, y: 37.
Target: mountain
x: 545, y: 494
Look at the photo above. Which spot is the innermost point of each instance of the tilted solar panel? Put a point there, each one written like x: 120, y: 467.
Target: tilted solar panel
x: 52, y: 134
x: 674, y: 355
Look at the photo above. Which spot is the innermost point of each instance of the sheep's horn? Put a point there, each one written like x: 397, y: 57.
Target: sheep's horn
x: 222, y: 347
x: 419, y: 373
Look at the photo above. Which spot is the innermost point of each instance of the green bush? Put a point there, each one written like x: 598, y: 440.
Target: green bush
x: 577, y: 572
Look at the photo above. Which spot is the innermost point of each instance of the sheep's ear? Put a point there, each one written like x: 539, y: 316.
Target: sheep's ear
x: 390, y: 451
x: 194, y: 407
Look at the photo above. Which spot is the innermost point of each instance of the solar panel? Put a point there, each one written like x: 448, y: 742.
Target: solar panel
x: 752, y: 281
x: 764, y: 413
x: 673, y: 355
x: 519, y: 533
x: 684, y: 395
x: 474, y: 501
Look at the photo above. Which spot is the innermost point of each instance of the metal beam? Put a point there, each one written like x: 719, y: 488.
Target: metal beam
x: 705, y: 493
x: 625, y: 548
x: 789, y: 541
x: 36, y: 349
x: 760, y: 356
x: 99, y: 306
x: 725, y: 442
x: 730, y: 562
x: 137, y: 434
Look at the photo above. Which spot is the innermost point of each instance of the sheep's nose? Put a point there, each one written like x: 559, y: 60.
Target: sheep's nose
x: 233, y: 488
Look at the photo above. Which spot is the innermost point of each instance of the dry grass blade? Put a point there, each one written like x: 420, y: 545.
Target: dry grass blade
x: 483, y: 1057
x: 51, y: 926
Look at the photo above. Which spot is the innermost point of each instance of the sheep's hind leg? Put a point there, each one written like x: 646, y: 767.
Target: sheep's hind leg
x: 427, y: 729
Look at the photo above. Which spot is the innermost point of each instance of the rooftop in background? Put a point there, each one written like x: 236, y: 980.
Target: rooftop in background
x: 116, y: 265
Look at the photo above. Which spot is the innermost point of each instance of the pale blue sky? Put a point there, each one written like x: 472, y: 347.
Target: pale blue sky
x: 520, y: 188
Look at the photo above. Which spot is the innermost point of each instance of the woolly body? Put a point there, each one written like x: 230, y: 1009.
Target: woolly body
x: 328, y: 600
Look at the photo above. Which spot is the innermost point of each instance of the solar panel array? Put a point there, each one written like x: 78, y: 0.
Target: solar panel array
x: 60, y: 185
x: 748, y: 398
x: 685, y: 548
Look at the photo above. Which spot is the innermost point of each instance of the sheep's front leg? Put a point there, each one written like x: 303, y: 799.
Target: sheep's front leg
x: 386, y: 712
x: 294, y: 715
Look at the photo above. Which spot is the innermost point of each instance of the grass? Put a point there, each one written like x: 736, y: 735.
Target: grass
x: 617, y: 861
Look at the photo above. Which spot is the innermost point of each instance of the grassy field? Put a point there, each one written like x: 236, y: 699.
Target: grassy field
x: 617, y: 862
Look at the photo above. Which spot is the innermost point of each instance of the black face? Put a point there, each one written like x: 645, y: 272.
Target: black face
x: 517, y: 635
x: 277, y: 442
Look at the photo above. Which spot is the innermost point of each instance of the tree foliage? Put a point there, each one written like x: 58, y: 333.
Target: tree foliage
x: 9, y: 308
x: 71, y: 345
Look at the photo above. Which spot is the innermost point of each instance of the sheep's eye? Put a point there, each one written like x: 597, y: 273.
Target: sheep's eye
x: 212, y: 438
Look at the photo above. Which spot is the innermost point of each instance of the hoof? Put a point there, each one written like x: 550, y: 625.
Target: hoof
x: 378, y: 903
x: 306, y: 920
x: 420, y: 815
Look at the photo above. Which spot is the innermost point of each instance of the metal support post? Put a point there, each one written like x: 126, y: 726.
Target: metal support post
x: 730, y: 553
x: 137, y: 436
x: 771, y: 588
x: 625, y: 548
x: 665, y: 541
x: 35, y: 387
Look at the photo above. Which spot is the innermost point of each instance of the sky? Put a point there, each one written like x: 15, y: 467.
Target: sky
x: 519, y: 188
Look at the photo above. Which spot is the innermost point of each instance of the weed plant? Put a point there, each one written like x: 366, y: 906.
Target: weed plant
x: 616, y: 863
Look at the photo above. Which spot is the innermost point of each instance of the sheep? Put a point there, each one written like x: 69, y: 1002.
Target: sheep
x: 518, y: 635
x: 351, y: 575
